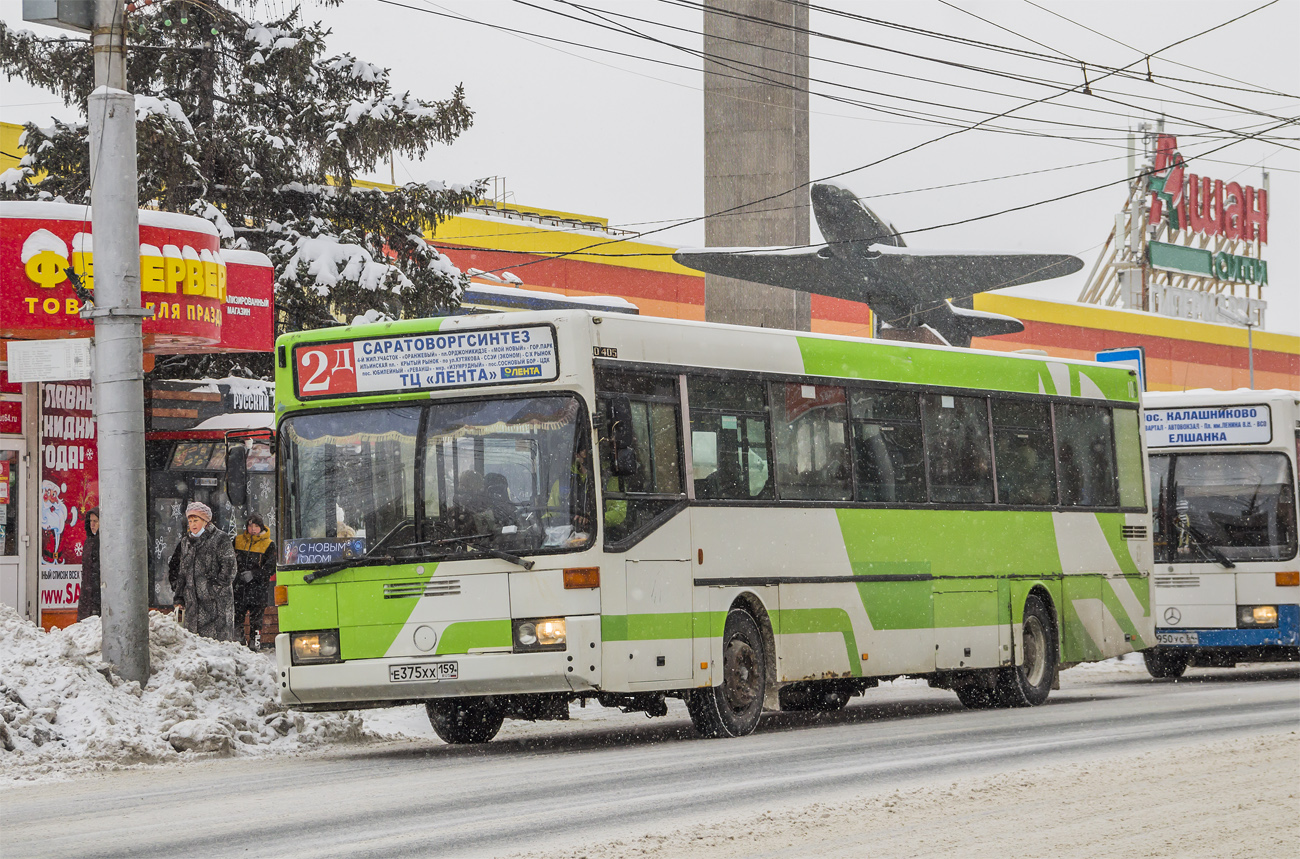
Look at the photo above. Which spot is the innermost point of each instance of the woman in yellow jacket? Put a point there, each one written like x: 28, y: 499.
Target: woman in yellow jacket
x: 255, y: 556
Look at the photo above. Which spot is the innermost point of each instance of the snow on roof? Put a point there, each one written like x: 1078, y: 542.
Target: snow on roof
x: 238, y: 421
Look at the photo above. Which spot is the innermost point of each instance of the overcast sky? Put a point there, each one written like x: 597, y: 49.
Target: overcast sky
x: 580, y: 114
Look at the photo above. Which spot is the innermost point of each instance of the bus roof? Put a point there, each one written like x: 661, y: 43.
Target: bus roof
x: 741, y: 348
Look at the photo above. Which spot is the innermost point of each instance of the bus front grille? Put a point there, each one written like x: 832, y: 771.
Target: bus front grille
x: 439, y: 588
x: 1178, y: 581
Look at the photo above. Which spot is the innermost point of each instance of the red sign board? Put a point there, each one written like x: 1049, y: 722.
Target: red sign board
x: 184, y: 279
x: 1200, y: 205
x: 69, y: 487
x: 4, y: 481
x: 11, y: 417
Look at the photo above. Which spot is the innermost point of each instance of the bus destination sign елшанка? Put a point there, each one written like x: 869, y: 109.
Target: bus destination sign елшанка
x: 449, y: 359
x: 1208, y: 425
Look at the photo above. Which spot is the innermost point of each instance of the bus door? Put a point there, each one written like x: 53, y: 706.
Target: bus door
x: 651, y: 618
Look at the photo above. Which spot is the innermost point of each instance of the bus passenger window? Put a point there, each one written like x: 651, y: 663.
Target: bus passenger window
x: 1022, y: 446
x: 1085, y: 449
x: 1128, y: 453
x: 635, y: 502
x: 957, y: 448
x: 729, y: 439
x: 887, y: 452
x: 812, y: 451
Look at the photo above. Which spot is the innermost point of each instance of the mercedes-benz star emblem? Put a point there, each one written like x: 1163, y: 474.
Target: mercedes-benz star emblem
x: 1173, y: 616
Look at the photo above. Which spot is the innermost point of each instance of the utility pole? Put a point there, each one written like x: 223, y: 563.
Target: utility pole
x: 119, y: 353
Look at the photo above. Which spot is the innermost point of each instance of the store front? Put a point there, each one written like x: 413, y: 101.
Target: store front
x: 204, y: 299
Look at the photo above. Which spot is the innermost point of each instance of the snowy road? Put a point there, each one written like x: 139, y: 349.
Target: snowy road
x: 592, y: 780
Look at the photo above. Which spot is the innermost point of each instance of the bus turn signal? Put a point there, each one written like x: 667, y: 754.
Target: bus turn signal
x: 581, y: 577
x: 281, y: 595
x: 1287, y: 580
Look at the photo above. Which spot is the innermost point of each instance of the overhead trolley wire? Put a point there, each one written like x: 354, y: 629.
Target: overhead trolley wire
x: 602, y: 13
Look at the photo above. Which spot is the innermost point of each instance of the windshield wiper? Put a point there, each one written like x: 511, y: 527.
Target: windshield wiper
x: 469, y: 542
x: 1207, y: 547
x: 343, y: 565
x: 466, y: 541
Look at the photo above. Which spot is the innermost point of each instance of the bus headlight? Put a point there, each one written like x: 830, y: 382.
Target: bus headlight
x: 541, y: 634
x: 310, y: 648
x: 1256, y: 615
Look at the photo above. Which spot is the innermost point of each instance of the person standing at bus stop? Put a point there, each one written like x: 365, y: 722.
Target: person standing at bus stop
x: 205, y: 574
x: 88, y: 604
x: 255, y: 558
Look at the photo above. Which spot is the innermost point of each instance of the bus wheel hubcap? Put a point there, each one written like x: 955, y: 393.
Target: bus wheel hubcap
x: 1035, y: 651
x: 740, y: 675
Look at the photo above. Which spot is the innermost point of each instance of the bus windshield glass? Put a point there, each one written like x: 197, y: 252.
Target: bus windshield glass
x: 1239, y: 506
x: 448, y: 478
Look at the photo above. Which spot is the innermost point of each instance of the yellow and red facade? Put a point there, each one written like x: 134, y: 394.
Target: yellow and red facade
x: 1180, y: 353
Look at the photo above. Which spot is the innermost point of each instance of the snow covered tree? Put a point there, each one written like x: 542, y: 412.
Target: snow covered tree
x: 257, y: 128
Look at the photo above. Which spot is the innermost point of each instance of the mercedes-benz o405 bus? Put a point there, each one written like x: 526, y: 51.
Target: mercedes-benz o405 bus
x: 1223, y: 484
x: 500, y: 514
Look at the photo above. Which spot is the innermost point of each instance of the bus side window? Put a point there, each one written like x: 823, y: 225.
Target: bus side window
x: 1085, y: 449
x: 887, y: 452
x: 812, y: 451
x: 957, y: 449
x: 729, y: 439
x: 1128, y: 452
x: 1022, y: 446
x: 635, y: 502
x: 1160, y: 508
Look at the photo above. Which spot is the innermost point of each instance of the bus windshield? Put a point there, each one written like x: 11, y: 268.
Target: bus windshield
x: 1235, y: 505
x: 447, y: 478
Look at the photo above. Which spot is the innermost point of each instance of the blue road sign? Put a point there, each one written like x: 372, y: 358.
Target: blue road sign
x: 1134, y: 356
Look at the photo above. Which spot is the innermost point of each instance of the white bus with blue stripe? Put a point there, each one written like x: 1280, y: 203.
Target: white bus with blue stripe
x: 1226, y: 586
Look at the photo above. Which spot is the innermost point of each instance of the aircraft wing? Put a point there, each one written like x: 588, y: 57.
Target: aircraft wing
x: 793, y: 268
x: 936, y: 275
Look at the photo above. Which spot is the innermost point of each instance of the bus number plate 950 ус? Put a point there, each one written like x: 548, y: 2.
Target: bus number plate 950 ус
x: 422, y: 673
x: 1177, y: 638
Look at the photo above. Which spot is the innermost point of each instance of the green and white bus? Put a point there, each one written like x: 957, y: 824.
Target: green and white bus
x: 498, y: 515
x: 1223, y: 484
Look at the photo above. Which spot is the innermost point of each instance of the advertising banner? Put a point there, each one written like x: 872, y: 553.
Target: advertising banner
x: 11, y: 417
x: 69, y: 487
x: 421, y: 361
x: 48, y: 268
x: 1210, y: 425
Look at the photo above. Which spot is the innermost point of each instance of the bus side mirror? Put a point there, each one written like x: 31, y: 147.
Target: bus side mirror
x: 622, y: 437
x: 237, y: 475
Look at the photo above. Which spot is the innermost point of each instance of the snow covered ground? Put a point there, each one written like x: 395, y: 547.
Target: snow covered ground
x: 64, y: 711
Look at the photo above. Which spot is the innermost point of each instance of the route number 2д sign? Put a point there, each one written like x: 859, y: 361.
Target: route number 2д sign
x: 434, y: 360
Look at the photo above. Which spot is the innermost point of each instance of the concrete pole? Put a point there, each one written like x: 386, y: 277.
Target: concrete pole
x: 118, y: 365
x: 756, y: 149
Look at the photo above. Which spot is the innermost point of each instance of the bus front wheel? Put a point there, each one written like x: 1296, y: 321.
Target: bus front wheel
x: 1164, y: 664
x: 464, y: 720
x: 1029, y: 683
x: 733, y: 708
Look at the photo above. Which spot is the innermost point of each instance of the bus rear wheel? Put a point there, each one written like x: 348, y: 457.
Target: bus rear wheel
x: 733, y: 708
x: 464, y: 720
x: 1164, y: 664
x: 1029, y: 684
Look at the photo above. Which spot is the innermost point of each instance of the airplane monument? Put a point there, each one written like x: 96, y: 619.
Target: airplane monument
x: 865, y: 260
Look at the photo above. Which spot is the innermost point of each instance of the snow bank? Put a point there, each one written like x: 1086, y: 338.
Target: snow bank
x: 65, y: 710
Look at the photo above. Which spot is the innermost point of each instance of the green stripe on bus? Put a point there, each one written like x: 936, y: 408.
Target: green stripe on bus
x: 878, y: 361
x: 957, y: 543
x: 796, y: 621
x: 466, y: 635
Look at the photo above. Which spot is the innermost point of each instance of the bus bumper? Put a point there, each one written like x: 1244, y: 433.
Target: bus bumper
x: 362, y: 682
x: 1285, y: 634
